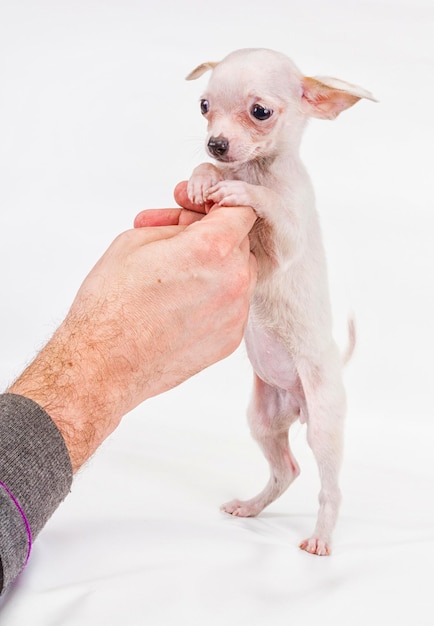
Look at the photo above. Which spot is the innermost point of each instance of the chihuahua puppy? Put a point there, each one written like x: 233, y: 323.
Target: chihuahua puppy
x: 257, y: 104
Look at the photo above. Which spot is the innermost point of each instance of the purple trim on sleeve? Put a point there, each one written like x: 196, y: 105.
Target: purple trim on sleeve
x: 23, y: 515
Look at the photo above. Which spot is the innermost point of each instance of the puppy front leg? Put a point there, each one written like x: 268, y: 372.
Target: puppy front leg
x: 240, y: 193
x: 277, y: 230
x: 204, y: 176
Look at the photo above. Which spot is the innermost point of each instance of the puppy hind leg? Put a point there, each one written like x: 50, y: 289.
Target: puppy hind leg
x: 325, y: 425
x: 269, y: 418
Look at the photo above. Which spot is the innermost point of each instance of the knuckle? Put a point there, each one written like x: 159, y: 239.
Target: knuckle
x: 213, y: 247
x: 125, y: 239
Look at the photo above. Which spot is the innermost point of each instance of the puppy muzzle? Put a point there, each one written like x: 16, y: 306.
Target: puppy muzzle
x: 218, y: 147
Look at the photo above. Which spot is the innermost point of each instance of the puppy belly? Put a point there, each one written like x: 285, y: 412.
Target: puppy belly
x: 271, y: 360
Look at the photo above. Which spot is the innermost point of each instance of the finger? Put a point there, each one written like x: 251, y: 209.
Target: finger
x: 165, y: 217
x: 235, y: 222
x: 189, y: 217
x: 143, y: 236
x: 157, y: 217
x: 253, y: 265
x: 181, y: 198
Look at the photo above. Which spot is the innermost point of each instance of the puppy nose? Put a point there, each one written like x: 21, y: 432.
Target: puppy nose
x: 218, y: 146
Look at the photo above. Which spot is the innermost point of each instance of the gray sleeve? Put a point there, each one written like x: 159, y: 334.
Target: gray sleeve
x: 35, y: 476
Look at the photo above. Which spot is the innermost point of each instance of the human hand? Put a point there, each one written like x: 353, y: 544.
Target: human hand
x: 185, y: 214
x: 160, y: 305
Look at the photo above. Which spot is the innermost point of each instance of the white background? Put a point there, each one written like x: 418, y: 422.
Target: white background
x: 97, y: 123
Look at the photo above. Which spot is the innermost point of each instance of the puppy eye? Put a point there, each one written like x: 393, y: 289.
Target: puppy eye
x: 260, y: 112
x: 204, y: 106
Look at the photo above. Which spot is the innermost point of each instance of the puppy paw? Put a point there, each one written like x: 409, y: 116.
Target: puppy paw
x: 232, y: 193
x: 315, y: 545
x: 239, y: 508
x: 203, y: 178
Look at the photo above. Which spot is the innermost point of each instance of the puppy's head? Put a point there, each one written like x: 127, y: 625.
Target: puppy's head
x: 257, y: 103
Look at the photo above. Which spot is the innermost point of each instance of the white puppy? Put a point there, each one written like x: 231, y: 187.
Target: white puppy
x: 257, y: 104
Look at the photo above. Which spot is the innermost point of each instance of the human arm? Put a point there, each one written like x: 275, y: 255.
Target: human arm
x: 161, y: 304
x: 35, y: 476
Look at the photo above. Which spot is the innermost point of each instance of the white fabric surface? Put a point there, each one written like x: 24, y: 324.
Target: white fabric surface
x: 97, y: 123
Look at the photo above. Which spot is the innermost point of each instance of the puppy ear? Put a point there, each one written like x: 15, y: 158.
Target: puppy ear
x: 201, y: 69
x: 326, y: 97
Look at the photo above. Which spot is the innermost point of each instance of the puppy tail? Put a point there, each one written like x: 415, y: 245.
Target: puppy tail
x: 352, y: 340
